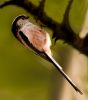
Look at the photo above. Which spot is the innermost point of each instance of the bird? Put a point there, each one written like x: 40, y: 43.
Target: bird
x: 34, y: 37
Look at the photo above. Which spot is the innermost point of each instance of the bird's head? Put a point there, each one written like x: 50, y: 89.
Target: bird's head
x: 18, y: 22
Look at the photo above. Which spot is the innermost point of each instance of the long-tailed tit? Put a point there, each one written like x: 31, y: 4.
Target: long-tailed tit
x: 38, y: 40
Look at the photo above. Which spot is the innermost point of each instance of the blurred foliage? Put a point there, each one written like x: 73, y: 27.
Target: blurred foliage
x: 23, y: 75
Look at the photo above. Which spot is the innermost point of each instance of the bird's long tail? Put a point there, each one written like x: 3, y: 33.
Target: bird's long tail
x: 59, y: 68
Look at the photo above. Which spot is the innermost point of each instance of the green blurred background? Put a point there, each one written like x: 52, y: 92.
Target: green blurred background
x: 23, y: 75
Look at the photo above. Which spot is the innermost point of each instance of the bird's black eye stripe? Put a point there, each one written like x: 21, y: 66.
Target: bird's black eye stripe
x: 23, y: 37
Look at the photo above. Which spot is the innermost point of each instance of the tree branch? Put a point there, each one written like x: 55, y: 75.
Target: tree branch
x: 6, y: 3
x: 41, y: 5
x: 61, y: 31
